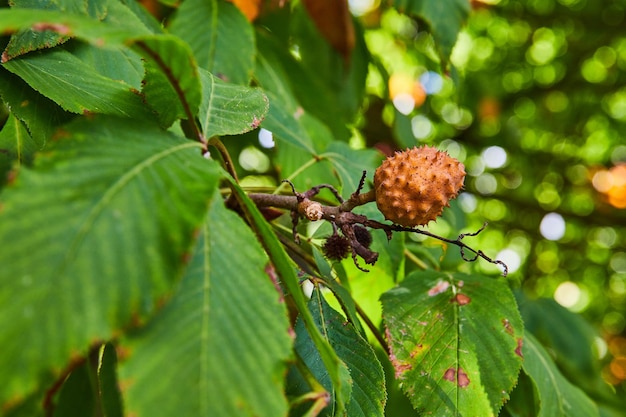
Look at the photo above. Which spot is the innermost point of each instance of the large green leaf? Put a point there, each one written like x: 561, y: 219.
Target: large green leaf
x: 75, y: 86
x: 97, y: 232
x: 455, y: 342
x: 219, y: 348
x: 557, y: 396
x: 368, y: 380
x: 445, y: 18
x: 229, y: 109
x: 172, y: 84
x: 219, y: 35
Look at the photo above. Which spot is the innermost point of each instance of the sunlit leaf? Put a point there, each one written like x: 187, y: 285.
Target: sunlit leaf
x: 99, y: 229
x: 219, y: 348
x: 455, y: 342
x: 214, y: 29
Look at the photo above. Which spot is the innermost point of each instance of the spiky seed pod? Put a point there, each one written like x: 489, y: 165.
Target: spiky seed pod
x: 413, y: 187
x: 362, y: 235
x: 336, y: 247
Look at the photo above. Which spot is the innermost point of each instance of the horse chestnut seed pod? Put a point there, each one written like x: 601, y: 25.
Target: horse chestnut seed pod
x: 362, y: 235
x: 413, y: 187
x: 336, y: 247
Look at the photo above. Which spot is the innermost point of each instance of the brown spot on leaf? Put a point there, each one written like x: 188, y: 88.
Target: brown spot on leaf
x: 461, y: 299
x: 439, y: 287
x: 462, y: 378
x: 418, y: 349
x: 459, y: 377
x: 449, y: 375
x: 400, y: 366
x: 518, y: 349
x: 507, y: 326
x: 59, y: 28
x: 255, y: 122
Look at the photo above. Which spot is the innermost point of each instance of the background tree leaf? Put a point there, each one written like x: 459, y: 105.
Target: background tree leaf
x: 557, y: 396
x: 445, y: 18
x: 219, y: 348
x: 229, y: 109
x: 98, y: 230
x: 213, y: 29
x: 455, y: 341
x: 368, y: 380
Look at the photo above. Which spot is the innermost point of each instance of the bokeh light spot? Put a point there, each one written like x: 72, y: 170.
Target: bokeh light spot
x: 552, y: 226
x: 421, y: 126
x: 486, y: 184
x: 266, y: 138
x: 431, y: 81
x: 511, y: 258
x: 567, y: 294
x: 494, y: 157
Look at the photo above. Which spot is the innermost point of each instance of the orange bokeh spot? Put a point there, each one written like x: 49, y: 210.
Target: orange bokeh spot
x: 612, y: 183
x: 489, y: 108
x: 618, y: 367
x: 405, y: 84
x: 250, y: 8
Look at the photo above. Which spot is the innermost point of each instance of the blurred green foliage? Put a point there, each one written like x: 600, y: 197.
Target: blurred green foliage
x: 535, y: 105
x: 533, y: 101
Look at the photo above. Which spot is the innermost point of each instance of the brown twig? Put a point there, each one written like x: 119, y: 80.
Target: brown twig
x: 300, y: 204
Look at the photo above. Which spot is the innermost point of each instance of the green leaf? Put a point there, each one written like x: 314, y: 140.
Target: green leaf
x: 117, y: 64
x: 73, y: 84
x: 214, y: 30
x: 324, y: 78
x: 172, y: 84
x: 108, y: 387
x: 368, y: 379
x: 336, y: 369
x: 220, y: 347
x: 16, y: 146
x: 229, y: 109
x: 445, y: 18
x: 98, y: 229
x: 121, y: 24
x: 284, y: 125
x: 77, y: 395
x: 349, y: 164
x: 557, y: 396
x: 41, y: 115
x: 455, y: 342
